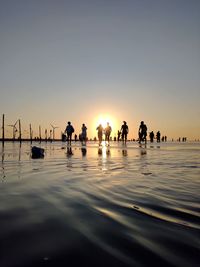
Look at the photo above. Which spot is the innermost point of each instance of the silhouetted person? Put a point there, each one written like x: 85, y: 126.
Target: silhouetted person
x: 63, y: 137
x: 84, y: 134
x: 69, y: 130
x: 124, y: 131
x: 100, y: 133
x: 108, y: 131
x: 118, y: 135
x: 158, y: 137
x: 151, y: 136
x: 142, y: 132
x: 165, y: 138
x: 75, y: 137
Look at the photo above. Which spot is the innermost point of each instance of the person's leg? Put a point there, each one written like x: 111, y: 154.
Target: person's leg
x: 70, y: 137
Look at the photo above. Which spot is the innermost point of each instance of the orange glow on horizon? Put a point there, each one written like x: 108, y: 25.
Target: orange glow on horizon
x: 103, y: 119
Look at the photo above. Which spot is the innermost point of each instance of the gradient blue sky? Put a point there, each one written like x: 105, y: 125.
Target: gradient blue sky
x: 129, y: 60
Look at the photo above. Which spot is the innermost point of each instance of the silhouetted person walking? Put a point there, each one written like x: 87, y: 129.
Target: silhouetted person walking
x: 124, y: 131
x: 100, y: 133
x: 108, y: 131
x: 142, y: 132
x: 118, y: 135
x: 158, y: 137
x: 69, y: 130
x: 151, y: 136
x: 84, y: 134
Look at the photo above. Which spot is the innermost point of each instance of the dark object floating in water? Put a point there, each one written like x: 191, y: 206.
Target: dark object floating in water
x: 37, y: 152
x: 147, y: 173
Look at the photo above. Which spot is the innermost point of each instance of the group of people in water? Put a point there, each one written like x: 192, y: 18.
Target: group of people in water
x: 100, y: 132
x: 123, y: 132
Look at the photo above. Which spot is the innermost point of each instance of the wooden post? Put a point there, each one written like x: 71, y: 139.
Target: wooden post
x: 20, y: 131
x: 3, y: 128
x: 13, y: 133
x: 46, y: 135
x: 51, y: 136
x: 31, y: 134
x: 40, y: 133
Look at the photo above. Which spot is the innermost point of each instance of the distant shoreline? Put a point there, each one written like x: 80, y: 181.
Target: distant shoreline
x: 29, y: 140
x: 10, y: 140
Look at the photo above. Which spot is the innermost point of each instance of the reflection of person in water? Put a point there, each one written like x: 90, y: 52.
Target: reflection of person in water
x: 108, y: 152
x: 69, y: 151
x: 142, y: 132
x: 100, y: 133
x: 124, y: 152
x: 84, y: 151
x: 100, y: 151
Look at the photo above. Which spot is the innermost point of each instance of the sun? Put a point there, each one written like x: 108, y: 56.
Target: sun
x: 103, y: 119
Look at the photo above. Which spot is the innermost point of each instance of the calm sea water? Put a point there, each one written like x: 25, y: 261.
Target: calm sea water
x: 115, y: 206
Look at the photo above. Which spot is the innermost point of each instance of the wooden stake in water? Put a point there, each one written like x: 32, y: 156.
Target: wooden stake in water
x: 40, y: 134
x: 30, y: 134
x: 20, y: 131
x: 3, y: 128
x: 46, y: 135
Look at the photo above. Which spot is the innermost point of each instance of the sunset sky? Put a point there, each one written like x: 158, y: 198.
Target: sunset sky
x: 80, y: 60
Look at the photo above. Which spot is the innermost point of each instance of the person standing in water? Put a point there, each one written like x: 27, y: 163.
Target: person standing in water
x: 142, y: 132
x: 108, y: 131
x: 151, y: 136
x: 158, y: 136
x: 84, y: 134
x: 100, y: 133
x: 118, y: 135
x: 69, y: 130
x: 124, y: 131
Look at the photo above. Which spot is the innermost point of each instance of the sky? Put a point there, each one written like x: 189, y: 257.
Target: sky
x: 90, y: 60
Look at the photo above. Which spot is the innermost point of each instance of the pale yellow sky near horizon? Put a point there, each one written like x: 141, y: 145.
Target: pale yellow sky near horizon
x: 92, y: 121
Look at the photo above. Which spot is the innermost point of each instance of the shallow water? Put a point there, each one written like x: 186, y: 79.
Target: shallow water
x: 114, y: 206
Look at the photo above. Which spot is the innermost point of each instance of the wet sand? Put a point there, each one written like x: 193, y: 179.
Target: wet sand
x: 113, y: 206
